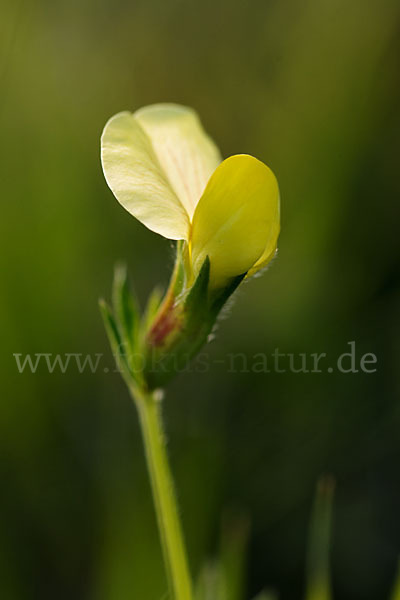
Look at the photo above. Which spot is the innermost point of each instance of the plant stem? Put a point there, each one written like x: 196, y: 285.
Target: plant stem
x: 163, y: 494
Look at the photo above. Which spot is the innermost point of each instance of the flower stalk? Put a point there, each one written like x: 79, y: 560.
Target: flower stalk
x: 149, y: 408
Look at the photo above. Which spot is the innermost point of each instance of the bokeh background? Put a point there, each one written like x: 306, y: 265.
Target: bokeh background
x: 312, y: 88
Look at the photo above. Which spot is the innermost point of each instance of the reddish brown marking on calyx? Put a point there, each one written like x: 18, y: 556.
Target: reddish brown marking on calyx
x: 164, y: 325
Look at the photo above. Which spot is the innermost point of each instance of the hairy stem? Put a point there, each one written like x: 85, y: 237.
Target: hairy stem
x: 163, y: 494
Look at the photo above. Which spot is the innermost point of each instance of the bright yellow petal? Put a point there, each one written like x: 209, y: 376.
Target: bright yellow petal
x: 236, y: 219
x: 271, y: 247
x: 136, y: 178
x: 186, y: 153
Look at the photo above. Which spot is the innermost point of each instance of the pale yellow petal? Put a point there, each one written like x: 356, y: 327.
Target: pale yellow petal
x: 236, y: 219
x: 186, y: 153
x: 134, y: 174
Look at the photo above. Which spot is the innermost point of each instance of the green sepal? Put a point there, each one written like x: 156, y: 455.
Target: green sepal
x: 220, y: 297
x: 176, y: 287
x: 127, y: 316
x: 181, y: 269
x: 152, y: 306
x: 125, y: 306
x: 196, y: 303
x: 114, y: 337
x: 193, y: 323
x: 194, y: 317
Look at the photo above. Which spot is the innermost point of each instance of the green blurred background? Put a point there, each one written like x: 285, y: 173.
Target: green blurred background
x: 312, y: 88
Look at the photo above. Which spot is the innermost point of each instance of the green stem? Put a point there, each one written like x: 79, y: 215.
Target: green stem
x: 163, y: 494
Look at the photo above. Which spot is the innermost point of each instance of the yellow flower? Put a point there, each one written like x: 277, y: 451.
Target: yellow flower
x: 168, y: 173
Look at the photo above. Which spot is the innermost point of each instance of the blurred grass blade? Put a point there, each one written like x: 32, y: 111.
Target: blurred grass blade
x: 207, y: 583
x: 266, y: 596
x: 233, y: 557
x: 395, y: 595
x: 225, y: 578
x: 318, y: 563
